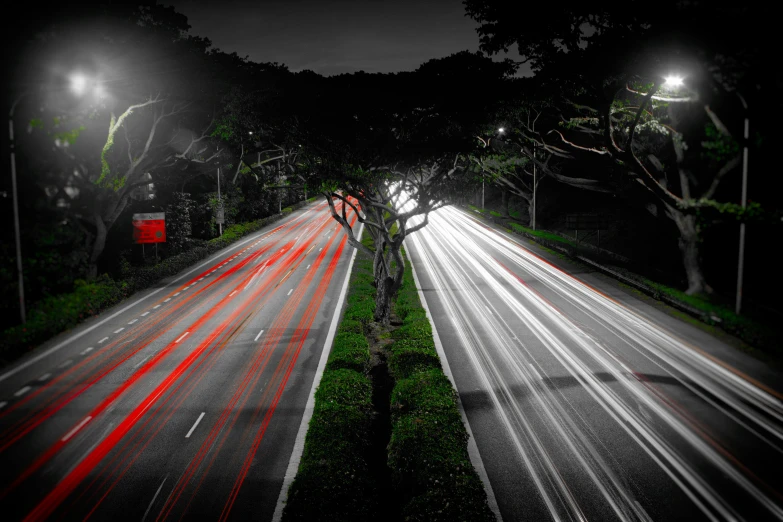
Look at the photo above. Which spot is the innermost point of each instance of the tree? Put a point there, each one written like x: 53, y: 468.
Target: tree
x: 608, y: 62
x: 143, y: 66
x: 400, y: 158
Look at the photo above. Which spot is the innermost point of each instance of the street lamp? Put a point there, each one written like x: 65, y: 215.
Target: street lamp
x: 79, y: 84
x: 741, y: 264
x: 673, y: 81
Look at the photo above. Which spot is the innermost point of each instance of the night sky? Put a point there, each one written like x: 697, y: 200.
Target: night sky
x: 335, y: 36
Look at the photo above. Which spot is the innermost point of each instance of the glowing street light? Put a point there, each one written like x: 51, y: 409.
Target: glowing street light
x: 673, y: 82
x: 501, y: 130
x: 78, y: 83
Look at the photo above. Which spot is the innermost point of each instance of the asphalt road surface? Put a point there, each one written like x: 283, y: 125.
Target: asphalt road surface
x: 585, y: 402
x: 185, y: 400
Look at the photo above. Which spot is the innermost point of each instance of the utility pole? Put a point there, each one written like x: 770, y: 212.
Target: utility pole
x: 534, y: 186
x: 741, y: 264
x: 220, y: 204
x: 16, y: 211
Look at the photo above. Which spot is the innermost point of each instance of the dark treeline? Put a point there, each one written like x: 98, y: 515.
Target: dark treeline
x: 161, y: 111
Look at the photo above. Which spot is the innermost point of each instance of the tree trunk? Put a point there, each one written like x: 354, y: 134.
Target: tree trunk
x: 383, y: 297
x: 97, y: 247
x: 689, y: 249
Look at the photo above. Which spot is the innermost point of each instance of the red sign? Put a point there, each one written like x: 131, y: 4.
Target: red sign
x: 149, y: 227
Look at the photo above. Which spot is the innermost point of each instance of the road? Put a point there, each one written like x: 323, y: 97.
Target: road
x: 183, y: 401
x: 586, y: 403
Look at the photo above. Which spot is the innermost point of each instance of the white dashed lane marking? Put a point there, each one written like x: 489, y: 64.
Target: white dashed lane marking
x: 167, y: 300
x: 103, y: 340
x: 175, y: 295
x: 66, y: 363
x: 232, y: 293
x: 156, y: 306
x: 86, y: 350
x: 308, y: 266
x: 259, y: 335
x: 133, y: 321
x: 195, y: 424
x: 77, y: 428
x: 2, y: 404
x: 22, y: 391
x: 44, y: 376
x: 181, y: 337
x: 289, y: 292
x: 145, y: 314
x: 118, y: 331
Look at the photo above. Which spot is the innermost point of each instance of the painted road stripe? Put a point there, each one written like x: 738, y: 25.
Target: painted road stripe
x: 194, y: 425
x: 77, y: 428
x: 57, y: 347
x: 308, y: 266
x: 66, y: 363
x: 133, y: 321
x: 140, y: 362
x: 289, y: 292
x: 200, y: 278
x: 86, y: 350
x: 167, y: 300
x: 2, y: 405
x: 259, y: 335
x: 232, y: 293
x: 296, y: 454
x: 119, y: 330
x: 320, y: 249
x: 103, y: 340
x: 22, y: 391
x: 156, y: 307
x: 145, y: 314
x: 153, y: 499
x: 44, y: 376
x: 181, y: 337
x: 175, y: 295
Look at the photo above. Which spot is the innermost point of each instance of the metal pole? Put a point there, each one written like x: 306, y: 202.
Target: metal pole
x: 220, y: 203
x: 741, y: 264
x: 482, y: 191
x: 534, y: 186
x: 16, y: 212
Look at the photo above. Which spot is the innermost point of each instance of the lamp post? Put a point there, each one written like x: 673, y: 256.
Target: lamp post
x: 16, y: 210
x: 741, y: 264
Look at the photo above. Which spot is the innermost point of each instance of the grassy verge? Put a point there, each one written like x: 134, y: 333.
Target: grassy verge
x: 426, y: 459
x: 59, y: 313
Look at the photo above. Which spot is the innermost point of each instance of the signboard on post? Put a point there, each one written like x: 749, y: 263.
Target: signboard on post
x: 221, y: 216
x: 149, y: 227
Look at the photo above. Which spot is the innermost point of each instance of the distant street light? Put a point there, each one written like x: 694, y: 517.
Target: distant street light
x: 78, y: 83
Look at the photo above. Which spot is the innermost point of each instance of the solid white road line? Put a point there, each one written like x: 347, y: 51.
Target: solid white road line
x: 86, y: 350
x: 181, y: 337
x: 58, y: 346
x: 473, y: 452
x: 232, y: 293
x: 103, y: 340
x: 77, y: 428
x: 153, y: 499
x: 44, y: 376
x: 131, y: 322
x: 259, y: 335
x: 145, y: 314
x: 296, y: 454
x: 289, y: 292
x: 194, y: 425
x: 22, y: 391
x: 118, y: 331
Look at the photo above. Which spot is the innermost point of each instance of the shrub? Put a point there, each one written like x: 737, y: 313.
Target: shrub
x: 349, y: 351
x: 410, y: 356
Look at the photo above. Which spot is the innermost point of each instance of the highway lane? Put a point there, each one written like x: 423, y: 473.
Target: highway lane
x: 588, y: 404
x: 185, y: 403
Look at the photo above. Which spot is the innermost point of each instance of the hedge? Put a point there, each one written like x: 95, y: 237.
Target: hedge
x: 57, y: 314
x: 333, y: 481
